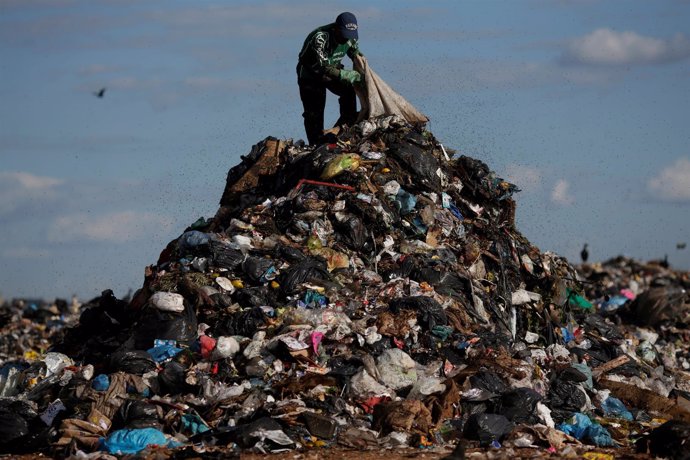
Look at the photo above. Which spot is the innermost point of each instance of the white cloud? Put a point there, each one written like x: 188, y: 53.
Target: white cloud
x: 611, y: 48
x: 560, y: 194
x: 17, y: 189
x: 116, y: 227
x: 525, y: 177
x: 672, y: 183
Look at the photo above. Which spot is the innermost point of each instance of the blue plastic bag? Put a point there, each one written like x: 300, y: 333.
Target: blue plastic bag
x: 163, y: 352
x: 133, y: 441
x: 193, y: 424
x: 613, y: 304
x: 614, y: 407
x: 405, y: 201
x: 581, y: 427
x: 101, y: 382
x: 191, y: 240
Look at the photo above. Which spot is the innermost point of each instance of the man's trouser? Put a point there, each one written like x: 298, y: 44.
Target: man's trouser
x: 313, y: 95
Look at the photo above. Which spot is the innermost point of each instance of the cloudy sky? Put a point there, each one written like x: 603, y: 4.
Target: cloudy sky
x: 582, y: 103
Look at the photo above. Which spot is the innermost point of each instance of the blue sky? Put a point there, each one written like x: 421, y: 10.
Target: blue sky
x: 582, y: 103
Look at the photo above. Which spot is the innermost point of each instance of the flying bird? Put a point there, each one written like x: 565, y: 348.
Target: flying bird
x: 99, y: 93
x: 681, y: 245
x: 584, y: 254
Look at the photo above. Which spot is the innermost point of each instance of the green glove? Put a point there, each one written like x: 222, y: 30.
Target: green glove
x: 332, y: 72
x: 351, y: 76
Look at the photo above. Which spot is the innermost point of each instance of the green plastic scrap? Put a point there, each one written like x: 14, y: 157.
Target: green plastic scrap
x: 442, y: 332
x: 578, y: 301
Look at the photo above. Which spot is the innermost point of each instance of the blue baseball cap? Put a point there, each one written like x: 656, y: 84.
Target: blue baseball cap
x: 347, y: 23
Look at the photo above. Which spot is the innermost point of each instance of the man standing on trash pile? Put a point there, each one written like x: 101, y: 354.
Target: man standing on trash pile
x: 319, y: 69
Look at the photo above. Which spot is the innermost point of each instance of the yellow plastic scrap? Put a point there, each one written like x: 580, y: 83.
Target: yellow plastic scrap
x: 340, y: 163
x: 597, y: 456
x: 238, y: 284
x: 313, y: 242
x: 386, y: 170
x: 275, y: 284
x: 31, y: 355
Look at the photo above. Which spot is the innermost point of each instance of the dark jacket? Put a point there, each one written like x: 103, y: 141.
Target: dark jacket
x: 321, y: 54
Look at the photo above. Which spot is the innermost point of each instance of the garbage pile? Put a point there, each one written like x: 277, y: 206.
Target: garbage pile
x: 372, y: 292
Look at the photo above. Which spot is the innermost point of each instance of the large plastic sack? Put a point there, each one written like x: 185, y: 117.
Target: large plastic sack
x: 310, y: 269
x: 158, y: 324
x: 133, y: 441
x: 429, y: 312
x: 226, y: 256
x: 137, y: 362
x: 136, y: 414
x: 425, y: 167
x: 397, y: 369
x: 379, y: 99
x: 12, y: 426
x: 582, y: 428
x: 487, y: 428
x: 193, y: 242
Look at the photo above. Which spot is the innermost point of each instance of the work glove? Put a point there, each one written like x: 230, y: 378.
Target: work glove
x: 332, y: 72
x: 351, y: 76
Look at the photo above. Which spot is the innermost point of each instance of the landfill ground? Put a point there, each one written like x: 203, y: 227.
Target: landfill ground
x: 370, y: 297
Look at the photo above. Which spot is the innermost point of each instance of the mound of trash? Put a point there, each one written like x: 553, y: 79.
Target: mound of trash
x: 372, y: 292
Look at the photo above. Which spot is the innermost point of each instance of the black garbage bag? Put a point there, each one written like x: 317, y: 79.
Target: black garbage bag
x: 401, y: 270
x: 571, y: 374
x: 172, y: 379
x: 254, y: 297
x: 21, y: 429
x: 157, y: 324
x: 283, y: 213
x: 606, y: 329
x: 344, y: 367
x: 670, y: 440
x: 488, y: 381
x: 444, y: 283
x: 288, y: 253
x: 137, y: 362
x: 218, y: 436
x: 353, y: 233
x: 12, y: 427
x: 429, y: 312
x: 519, y: 405
x: 256, y: 268
x: 566, y: 396
x: 309, y: 269
x: 422, y: 165
x: 244, y: 323
x: 248, y: 435
x: 487, y: 428
x: 134, y: 413
x: 225, y: 256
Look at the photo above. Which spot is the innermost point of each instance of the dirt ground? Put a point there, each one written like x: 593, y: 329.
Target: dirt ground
x: 475, y: 453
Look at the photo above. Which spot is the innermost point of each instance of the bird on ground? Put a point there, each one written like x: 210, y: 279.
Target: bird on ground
x: 664, y: 263
x: 584, y: 254
x: 99, y: 93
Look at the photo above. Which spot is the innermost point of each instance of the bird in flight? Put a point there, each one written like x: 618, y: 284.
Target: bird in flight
x: 99, y: 93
